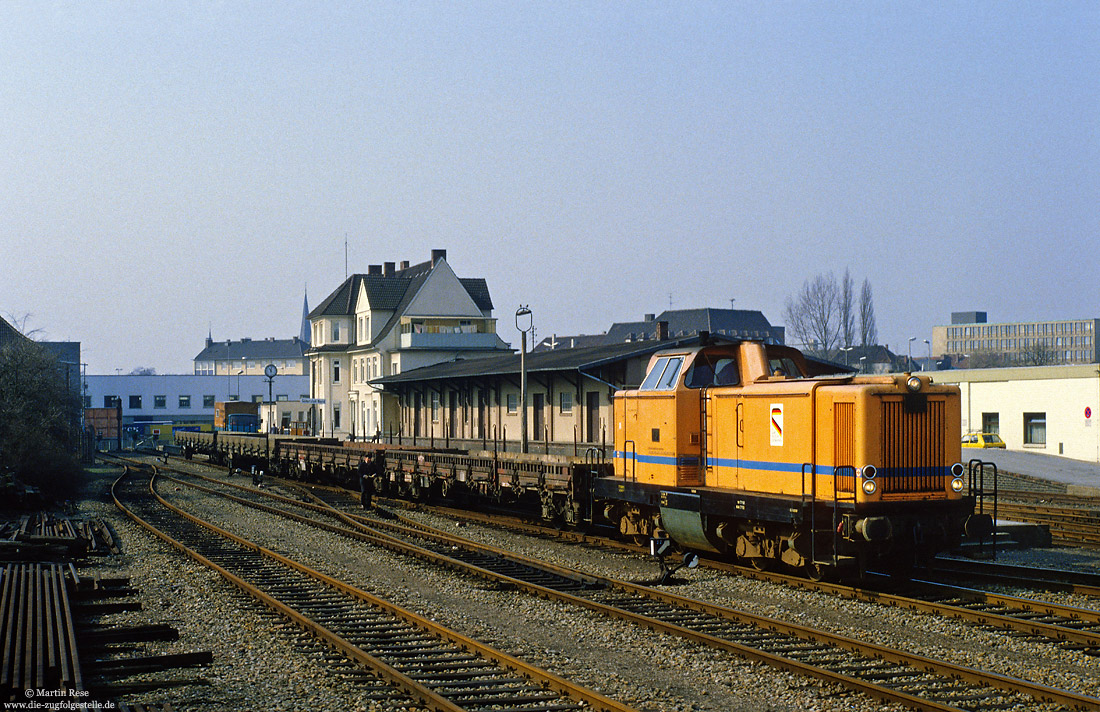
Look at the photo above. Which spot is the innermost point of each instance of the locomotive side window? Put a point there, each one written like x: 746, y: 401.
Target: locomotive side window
x: 713, y: 372
x: 785, y: 367
x: 650, y: 382
x: 662, y: 377
x: 672, y: 370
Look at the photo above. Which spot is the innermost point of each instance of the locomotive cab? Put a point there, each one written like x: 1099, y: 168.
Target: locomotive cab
x: 747, y: 449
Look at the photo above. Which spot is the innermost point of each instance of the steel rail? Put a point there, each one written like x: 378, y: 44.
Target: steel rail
x: 420, y: 692
x: 782, y: 661
x: 1079, y: 582
x: 1015, y: 613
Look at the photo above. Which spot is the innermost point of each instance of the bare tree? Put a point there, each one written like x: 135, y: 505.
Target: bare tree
x: 868, y: 332
x: 846, y: 308
x: 143, y: 371
x: 1040, y: 352
x: 812, y: 316
x: 38, y: 414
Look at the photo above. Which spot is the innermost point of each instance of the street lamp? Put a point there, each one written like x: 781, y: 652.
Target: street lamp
x: 911, y: 340
x: 239, y: 383
x: 524, y: 323
x: 861, y: 360
x: 270, y: 372
x: 846, y: 349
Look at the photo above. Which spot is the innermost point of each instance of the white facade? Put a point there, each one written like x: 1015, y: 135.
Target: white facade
x: 1047, y: 409
x: 185, y: 398
x: 387, y: 322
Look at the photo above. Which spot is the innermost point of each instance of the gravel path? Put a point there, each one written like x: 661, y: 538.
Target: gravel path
x: 259, y: 665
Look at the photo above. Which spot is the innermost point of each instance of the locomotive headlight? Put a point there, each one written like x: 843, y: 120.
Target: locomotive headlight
x: 957, y: 485
x: 869, y: 472
x: 957, y: 470
x: 870, y: 486
x: 913, y: 384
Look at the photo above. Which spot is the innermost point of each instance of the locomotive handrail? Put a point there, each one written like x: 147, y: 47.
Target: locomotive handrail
x: 633, y: 459
x: 976, y: 471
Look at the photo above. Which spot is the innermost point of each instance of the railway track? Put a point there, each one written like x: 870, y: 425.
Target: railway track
x: 880, y: 672
x: 436, y: 667
x: 1080, y: 582
x: 1073, y: 526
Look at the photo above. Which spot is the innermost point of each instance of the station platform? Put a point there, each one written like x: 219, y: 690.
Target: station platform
x: 1074, y: 477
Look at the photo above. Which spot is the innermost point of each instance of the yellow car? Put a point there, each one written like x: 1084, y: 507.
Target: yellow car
x: 983, y: 440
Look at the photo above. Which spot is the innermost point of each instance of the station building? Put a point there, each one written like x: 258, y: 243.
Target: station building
x: 1046, y: 409
x: 476, y: 403
x: 386, y: 322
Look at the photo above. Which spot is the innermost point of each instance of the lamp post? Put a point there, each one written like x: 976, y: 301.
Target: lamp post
x: 846, y: 349
x: 523, y: 324
x: 270, y: 371
x: 911, y: 340
x: 239, y: 383
x: 861, y: 360
x: 929, y: 345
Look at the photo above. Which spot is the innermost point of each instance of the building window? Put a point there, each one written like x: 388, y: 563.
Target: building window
x: 279, y: 397
x: 1035, y: 428
x: 513, y: 403
x: 335, y: 331
x: 208, y: 401
x: 336, y: 416
x: 566, y: 402
x: 336, y: 371
x: 991, y: 422
x: 160, y: 401
x: 135, y: 402
x: 111, y: 401
x: 257, y: 399
x: 435, y: 407
x: 185, y: 402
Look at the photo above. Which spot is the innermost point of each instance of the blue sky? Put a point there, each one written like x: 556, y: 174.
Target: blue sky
x: 169, y: 168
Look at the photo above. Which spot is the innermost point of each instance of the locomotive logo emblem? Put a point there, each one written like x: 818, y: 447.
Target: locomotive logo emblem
x: 777, y: 424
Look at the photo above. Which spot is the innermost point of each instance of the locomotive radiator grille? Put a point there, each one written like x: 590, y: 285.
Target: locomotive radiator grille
x: 912, y: 447
x: 844, y: 444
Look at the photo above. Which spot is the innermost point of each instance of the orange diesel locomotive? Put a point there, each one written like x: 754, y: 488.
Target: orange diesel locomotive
x: 746, y: 449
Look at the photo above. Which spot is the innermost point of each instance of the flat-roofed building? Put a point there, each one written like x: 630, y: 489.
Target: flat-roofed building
x: 1034, y: 343
x: 1048, y: 409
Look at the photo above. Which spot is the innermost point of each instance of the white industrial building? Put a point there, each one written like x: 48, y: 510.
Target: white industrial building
x: 1047, y: 409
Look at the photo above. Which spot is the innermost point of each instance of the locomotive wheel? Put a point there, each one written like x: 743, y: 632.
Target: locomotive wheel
x: 813, y: 572
x: 761, y: 563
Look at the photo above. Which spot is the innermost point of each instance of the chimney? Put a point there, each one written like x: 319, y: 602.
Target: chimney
x: 404, y: 264
x: 438, y: 255
x: 662, y: 330
x: 387, y: 269
x: 650, y: 317
x: 375, y: 269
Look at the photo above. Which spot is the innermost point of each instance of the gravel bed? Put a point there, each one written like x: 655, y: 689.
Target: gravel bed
x: 259, y: 660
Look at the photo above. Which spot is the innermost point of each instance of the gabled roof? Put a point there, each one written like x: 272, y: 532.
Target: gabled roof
x: 282, y: 349
x: 691, y: 321
x: 392, y: 294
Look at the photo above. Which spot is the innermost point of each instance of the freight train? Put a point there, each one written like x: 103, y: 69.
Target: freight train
x: 742, y: 449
